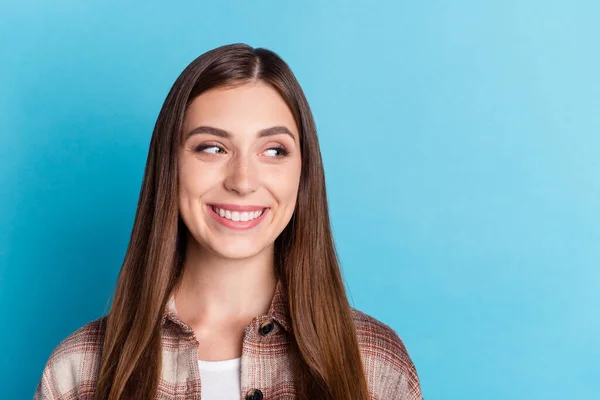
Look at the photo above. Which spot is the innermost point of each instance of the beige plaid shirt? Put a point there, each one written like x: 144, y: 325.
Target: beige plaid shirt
x: 72, y: 368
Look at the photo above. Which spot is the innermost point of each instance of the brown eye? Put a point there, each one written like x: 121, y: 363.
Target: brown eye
x: 282, y: 151
x: 212, y: 148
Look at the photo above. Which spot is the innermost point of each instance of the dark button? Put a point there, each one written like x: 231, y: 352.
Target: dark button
x: 254, y: 394
x: 266, y: 328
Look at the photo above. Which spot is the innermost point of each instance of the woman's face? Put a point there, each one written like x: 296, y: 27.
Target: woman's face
x: 239, y: 169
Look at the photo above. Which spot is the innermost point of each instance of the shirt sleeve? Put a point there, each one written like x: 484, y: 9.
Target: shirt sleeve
x: 45, y: 389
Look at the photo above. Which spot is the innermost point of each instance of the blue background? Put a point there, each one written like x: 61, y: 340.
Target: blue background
x: 462, y: 153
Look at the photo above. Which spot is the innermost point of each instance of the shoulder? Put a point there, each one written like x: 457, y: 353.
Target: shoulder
x: 72, y: 367
x: 390, y: 370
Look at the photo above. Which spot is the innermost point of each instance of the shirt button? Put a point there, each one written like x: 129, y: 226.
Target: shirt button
x: 254, y: 394
x: 265, y: 328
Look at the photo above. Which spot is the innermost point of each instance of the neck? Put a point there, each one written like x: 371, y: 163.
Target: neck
x: 217, y: 290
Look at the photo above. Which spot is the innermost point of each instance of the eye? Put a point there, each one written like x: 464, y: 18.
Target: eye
x: 282, y: 151
x: 214, y: 149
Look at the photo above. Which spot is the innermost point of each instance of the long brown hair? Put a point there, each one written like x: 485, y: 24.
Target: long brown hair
x: 327, y: 359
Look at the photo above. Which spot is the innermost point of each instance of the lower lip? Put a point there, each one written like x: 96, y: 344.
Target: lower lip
x: 237, y: 224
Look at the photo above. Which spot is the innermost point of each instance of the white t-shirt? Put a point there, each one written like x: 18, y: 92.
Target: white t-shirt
x: 221, y: 379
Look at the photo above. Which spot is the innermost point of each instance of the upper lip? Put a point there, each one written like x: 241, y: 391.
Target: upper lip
x: 237, y: 207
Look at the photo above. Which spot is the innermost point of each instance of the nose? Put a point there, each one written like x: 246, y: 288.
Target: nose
x: 241, y: 176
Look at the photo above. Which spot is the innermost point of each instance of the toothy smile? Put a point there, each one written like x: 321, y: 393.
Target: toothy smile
x: 237, y: 215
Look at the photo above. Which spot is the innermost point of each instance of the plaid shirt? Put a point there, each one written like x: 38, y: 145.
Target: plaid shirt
x: 72, y: 368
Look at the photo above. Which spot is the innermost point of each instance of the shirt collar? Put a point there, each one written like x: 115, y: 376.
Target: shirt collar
x: 278, y: 310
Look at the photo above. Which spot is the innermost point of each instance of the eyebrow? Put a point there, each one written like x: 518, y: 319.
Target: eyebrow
x: 274, y: 130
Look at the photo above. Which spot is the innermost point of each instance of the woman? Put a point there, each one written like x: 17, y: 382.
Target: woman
x: 231, y: 287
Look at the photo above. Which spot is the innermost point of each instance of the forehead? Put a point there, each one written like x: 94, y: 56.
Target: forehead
x: 242, y: 109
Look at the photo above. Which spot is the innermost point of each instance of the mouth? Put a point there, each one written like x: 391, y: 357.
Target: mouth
x: 237, y: 219
x: 236, y: 216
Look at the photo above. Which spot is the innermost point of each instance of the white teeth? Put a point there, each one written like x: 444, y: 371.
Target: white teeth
x: 236, y: 215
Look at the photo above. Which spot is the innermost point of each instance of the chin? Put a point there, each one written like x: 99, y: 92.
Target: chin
x: 238, y: 249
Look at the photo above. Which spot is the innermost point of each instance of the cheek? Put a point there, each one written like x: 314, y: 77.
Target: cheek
x: 284, y: 185
x: 290, y: 189
x: 194, y: 180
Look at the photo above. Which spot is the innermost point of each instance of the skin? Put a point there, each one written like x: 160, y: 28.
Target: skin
x: 229, y: 275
